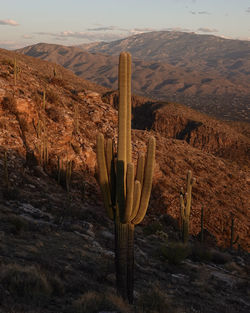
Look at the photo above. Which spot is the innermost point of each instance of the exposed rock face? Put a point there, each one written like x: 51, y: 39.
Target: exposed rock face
x: 200, y: 132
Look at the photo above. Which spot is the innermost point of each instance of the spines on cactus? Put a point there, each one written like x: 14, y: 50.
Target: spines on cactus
x: 126, y: 194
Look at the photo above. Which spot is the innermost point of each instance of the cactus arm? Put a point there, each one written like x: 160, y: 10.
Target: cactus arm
x: 136, y: 200
x: 147, y: 184
x: 140, y: 169
x: 182, y: 207
x: 103, y: 176
x: 189, y: 193
x: 109, y: 157
x: 130, y: 193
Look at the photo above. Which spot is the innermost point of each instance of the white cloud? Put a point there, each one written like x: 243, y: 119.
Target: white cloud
x: 27, y: 37
x: 106, y: 28
x: 11, y: 45
x: 200, y: 12
x: 248, y: 10
x: 204, y: 12
x: 177, y: 29
x: 105, y: 33
x: 87, y: 35
x: 8, y: 22
x: 207, y: 30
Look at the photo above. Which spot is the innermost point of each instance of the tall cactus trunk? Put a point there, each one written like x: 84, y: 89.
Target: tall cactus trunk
x: 121, y: 250
x: 130, y: 273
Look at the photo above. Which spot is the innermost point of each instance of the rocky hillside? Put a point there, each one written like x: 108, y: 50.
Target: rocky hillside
x: 207, y: 73
x: 54, y: 232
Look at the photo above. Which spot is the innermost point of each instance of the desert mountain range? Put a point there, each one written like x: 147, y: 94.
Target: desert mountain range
x: 205, y: 72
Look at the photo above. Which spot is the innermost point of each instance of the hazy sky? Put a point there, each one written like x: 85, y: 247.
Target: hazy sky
x: 25, y: 22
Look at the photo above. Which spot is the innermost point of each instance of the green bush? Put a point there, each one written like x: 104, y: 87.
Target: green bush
x: 152, y: 228
x: 16, y: 224
x: 175, y: 252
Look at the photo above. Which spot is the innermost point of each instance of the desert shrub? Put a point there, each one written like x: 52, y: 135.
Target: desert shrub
x: 76, y: 147
x: 153, y: 301
x: 51, y: 96
x: 25, y: 283
x: 54, y: 114
x: 220, y: 257
x: 23, y: 122
x: 152, y: 228
x: 95, y: 302
x: 9, y: 103
x: 16, y: 224
x: 37, y: 98
x: 201, y: 253
x: 7, y: 62
x: 4, y: 75
x: 58, y: 81
x: 175, y: 252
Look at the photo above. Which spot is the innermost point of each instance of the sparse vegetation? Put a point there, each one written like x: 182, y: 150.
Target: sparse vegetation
x: 154, y: 301
x: 25, y: 283
x: 9, y: 103
x: 175, y: 252
x: 152, y: 228
x: 95, y: 302
x: 52, y: 97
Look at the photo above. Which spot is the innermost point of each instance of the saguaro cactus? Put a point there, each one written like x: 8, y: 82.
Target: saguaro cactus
x: 185, y: 201
x: 202, y: 225
x: 6, y: 174
x: 44, y: 99
x: 233, y: 240
x: 126, y: 195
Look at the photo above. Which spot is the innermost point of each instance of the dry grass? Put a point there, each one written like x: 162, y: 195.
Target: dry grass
x: 26, y: 283
x: 154, y: 301
x: 95, y: 302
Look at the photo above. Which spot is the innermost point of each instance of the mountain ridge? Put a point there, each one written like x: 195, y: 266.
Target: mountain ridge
x: 203, y: 87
